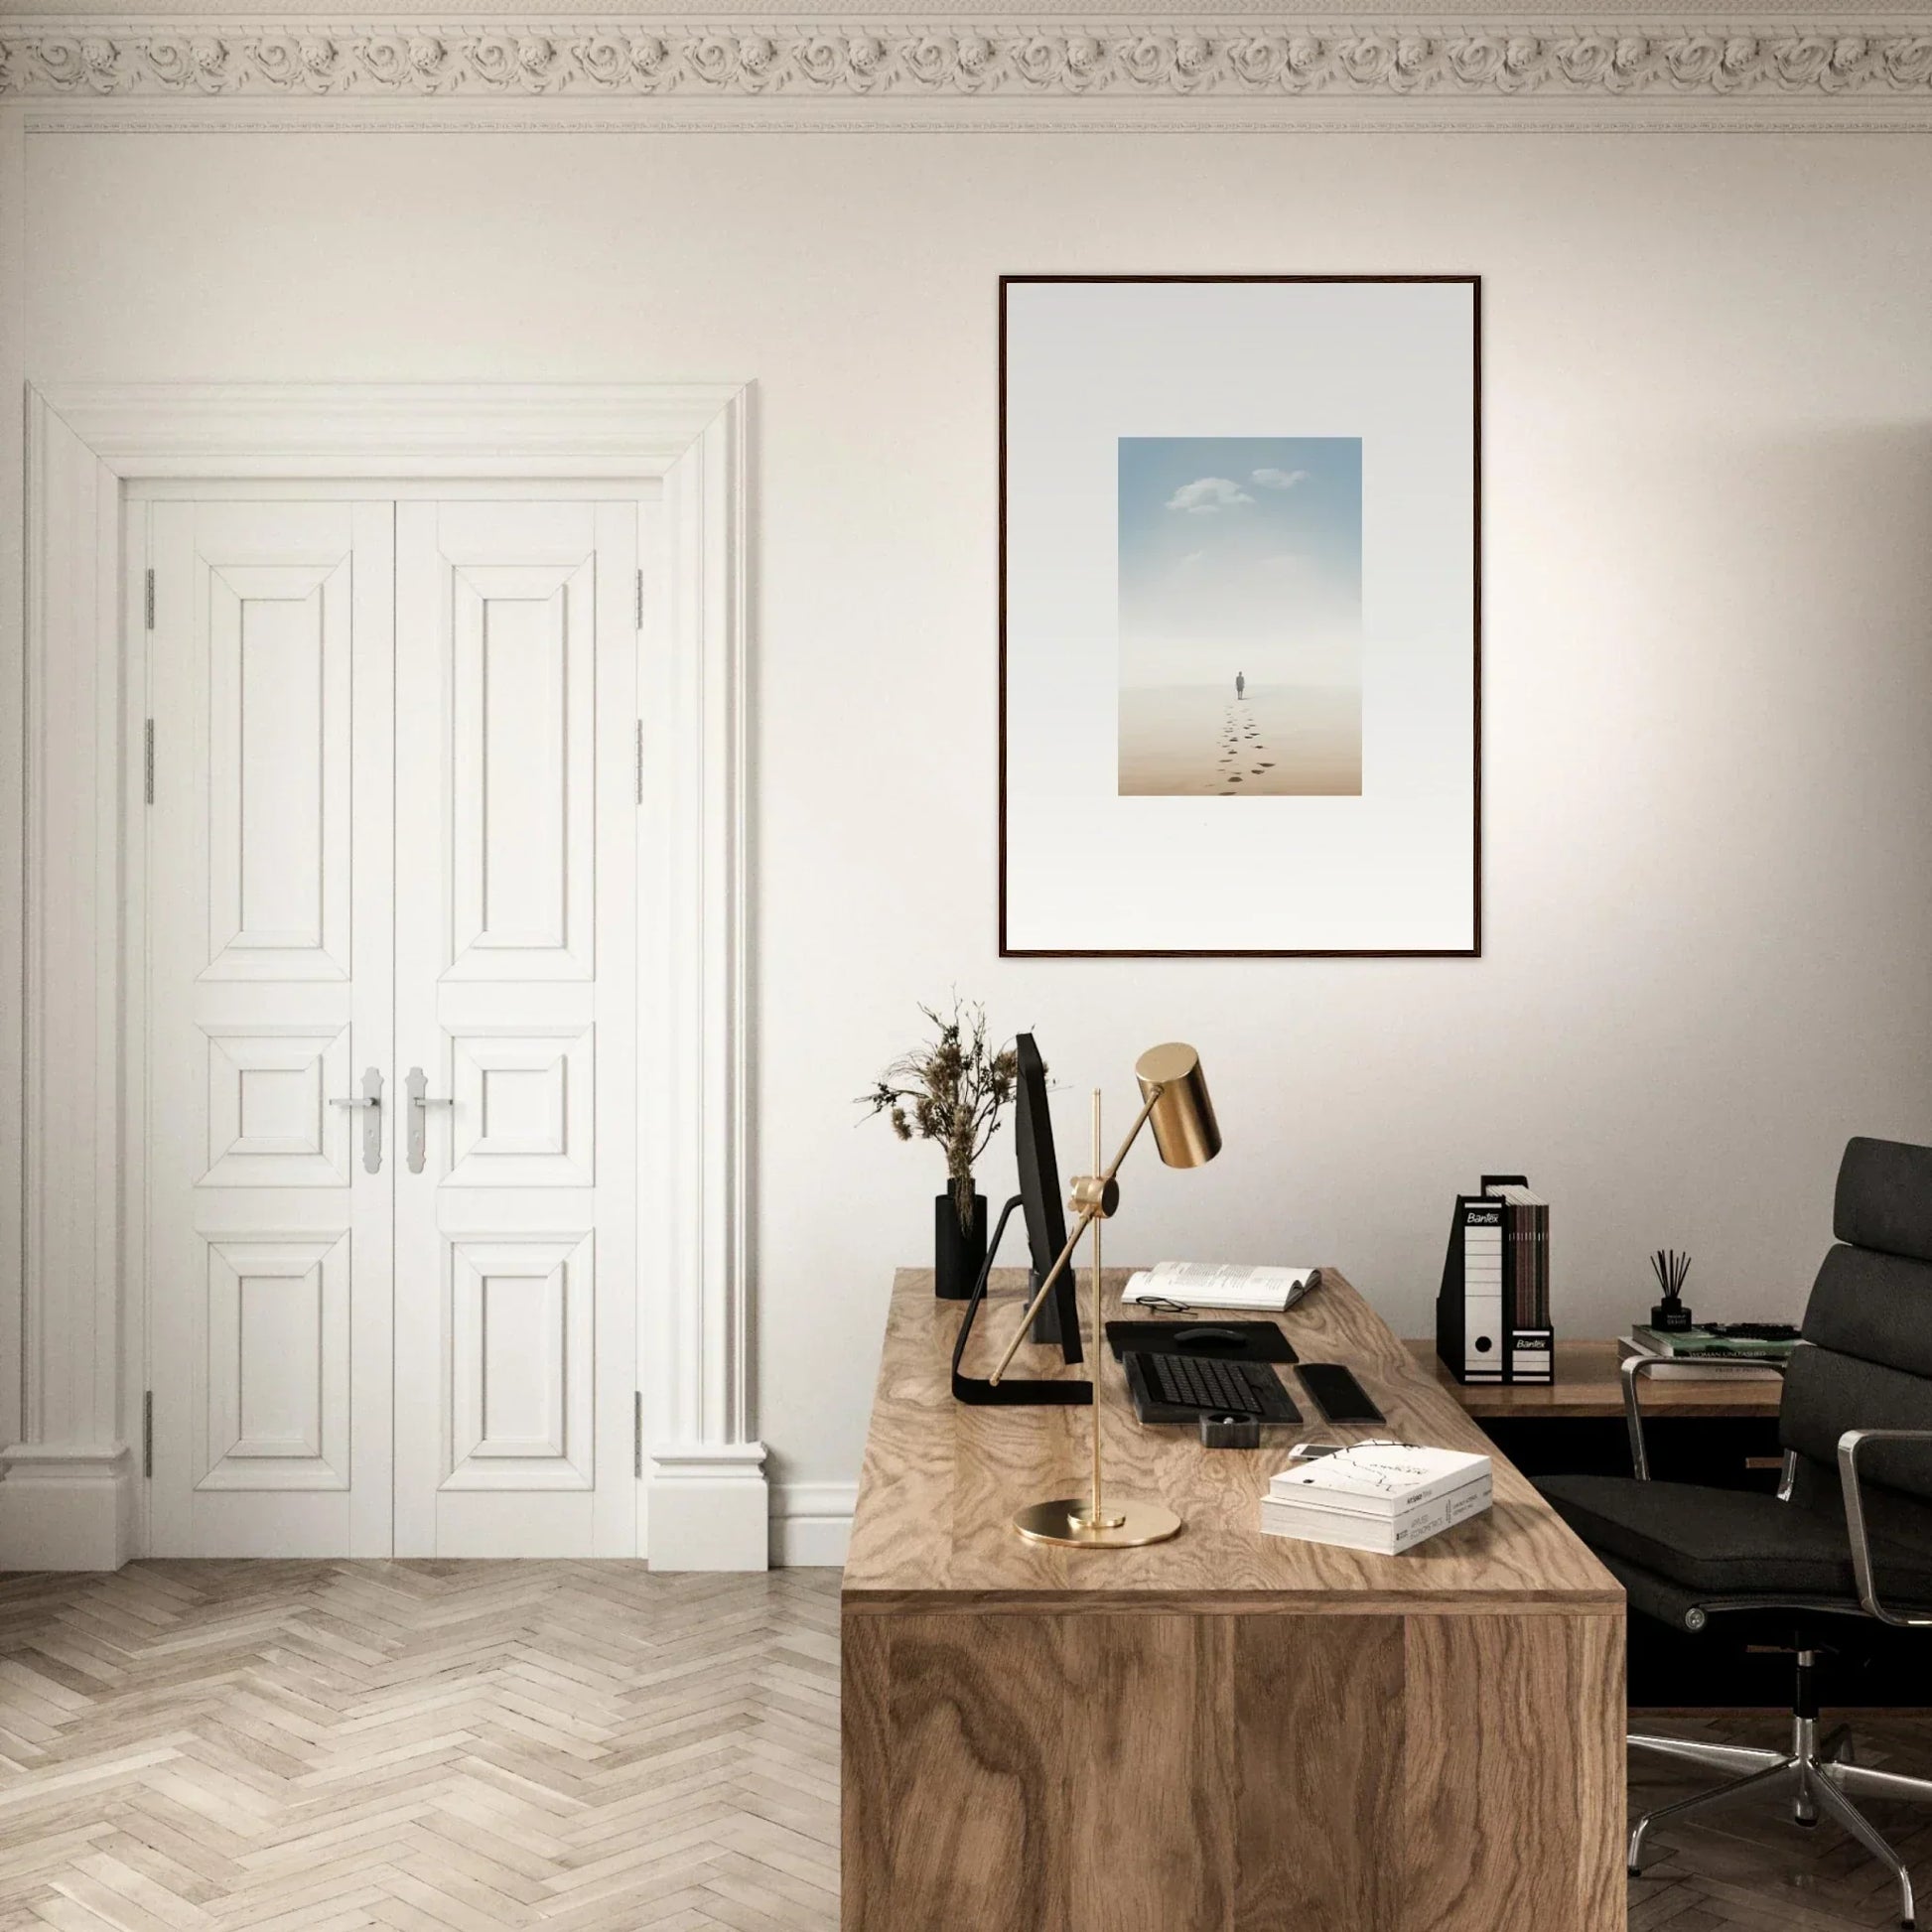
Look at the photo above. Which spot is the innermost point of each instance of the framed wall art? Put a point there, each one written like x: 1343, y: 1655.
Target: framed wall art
x: 1240, y: 614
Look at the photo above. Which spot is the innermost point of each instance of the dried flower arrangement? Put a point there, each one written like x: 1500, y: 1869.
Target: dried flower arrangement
x: 952, y: 1090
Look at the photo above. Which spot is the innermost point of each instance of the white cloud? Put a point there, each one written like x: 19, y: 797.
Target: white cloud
x: 1279, y: 478
x: 1195, y: 557
x: 1207, y: 495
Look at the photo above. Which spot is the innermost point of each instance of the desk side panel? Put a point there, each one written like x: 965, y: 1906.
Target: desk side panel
x: 956, y: 1775
x: 1144, y: 1773
x: 1151, y: 1785
x: 1317, y: 1742
x: 865, y: 1767
x: 1513, y: 1775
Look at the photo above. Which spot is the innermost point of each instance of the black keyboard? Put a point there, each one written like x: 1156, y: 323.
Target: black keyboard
x: 1206, y: 1386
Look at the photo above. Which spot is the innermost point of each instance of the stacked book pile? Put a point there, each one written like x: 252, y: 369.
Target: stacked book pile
x: 1684, y: 1354
x: 1380, y: 1496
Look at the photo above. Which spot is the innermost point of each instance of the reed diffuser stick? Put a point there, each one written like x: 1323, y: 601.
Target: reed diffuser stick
x: 1671, y: 1267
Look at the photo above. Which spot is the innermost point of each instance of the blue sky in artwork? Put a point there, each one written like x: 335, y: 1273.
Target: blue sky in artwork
x: 1240, y: 553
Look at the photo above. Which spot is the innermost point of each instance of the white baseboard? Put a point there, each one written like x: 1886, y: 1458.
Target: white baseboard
x: 708, y: 1511
x: 708, y: 1507
x: 66, y: 1509
x: 811, y: 1523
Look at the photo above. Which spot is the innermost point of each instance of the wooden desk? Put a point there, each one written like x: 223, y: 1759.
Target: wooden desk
x: 1588, y: 1385
x: 1227, y: 1731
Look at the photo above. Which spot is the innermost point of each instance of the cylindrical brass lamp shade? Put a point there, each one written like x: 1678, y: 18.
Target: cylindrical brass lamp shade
x: 1182, y: 1118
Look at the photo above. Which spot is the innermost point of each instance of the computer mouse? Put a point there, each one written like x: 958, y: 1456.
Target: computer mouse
x: 1210, y: 1337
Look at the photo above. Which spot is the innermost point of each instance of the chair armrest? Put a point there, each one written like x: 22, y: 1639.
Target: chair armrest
x: 1635, y: 1367
x: 1848, y: 1445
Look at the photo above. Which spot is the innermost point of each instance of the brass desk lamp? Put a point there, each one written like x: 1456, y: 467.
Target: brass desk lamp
x: 1174, y: 1100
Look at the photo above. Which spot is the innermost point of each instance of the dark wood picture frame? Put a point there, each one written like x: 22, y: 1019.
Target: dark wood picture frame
x: 1475, y: 949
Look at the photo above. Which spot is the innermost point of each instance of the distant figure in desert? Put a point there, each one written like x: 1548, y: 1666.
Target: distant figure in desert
x: 1240, y: 683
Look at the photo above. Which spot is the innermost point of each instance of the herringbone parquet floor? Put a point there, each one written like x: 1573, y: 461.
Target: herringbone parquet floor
x: 461, y: 1747
x: 434, y: 1746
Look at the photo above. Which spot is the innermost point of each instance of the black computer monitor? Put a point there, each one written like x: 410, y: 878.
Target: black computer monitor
x: 1038, y: 1201
x: 1039, y: 1197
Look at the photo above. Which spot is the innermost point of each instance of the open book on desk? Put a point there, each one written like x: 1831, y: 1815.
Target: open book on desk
x: 1217, y: 1285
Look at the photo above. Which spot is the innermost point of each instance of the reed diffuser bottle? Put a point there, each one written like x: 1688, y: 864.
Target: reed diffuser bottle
x: 1670, y: 1314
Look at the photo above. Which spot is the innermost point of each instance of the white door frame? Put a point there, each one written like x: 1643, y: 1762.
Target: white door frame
x: 69, y: 1488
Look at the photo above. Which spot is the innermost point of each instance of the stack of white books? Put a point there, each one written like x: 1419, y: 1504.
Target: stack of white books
x: 1217, y: 1285
x: 1381, y: 1496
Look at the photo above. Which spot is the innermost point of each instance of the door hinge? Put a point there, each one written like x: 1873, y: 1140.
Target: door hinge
x: 147, y: 761
x: 147, y: 1433
x: 148, y: 596
x: 640, y: 598
x: 638, y: 1433
x: 640, y: 761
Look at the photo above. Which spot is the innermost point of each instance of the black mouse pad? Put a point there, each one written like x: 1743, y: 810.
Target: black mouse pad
x: 1227, y: 1341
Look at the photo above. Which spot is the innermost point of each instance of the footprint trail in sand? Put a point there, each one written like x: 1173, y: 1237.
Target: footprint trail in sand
x: 1241, y: 743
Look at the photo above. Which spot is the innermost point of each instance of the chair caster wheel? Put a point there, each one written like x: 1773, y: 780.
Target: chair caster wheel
x: 1634, y: 1871
x: 1809, y: 1824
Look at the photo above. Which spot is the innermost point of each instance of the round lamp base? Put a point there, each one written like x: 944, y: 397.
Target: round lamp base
x: 1130, y: 1525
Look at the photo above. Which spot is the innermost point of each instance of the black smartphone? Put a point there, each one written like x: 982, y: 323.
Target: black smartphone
x: 1338, y: 1394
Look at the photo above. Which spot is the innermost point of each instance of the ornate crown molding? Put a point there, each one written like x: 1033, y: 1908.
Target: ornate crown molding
x: 1121, y: 62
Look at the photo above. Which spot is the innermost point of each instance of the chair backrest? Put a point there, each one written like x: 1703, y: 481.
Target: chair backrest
x: 1869, y: 1325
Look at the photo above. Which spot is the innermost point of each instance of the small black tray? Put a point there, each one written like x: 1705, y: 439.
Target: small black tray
x: 1251, y: 1341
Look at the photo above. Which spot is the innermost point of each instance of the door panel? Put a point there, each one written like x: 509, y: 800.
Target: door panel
x: 525, y: 1107
x: 521, y: 1374
x: 279, y: 789
x: 269, y: 975
x: 278, y: 1407
x: 522, y: 688
x: 270, y: 1122
x: 515, y: 961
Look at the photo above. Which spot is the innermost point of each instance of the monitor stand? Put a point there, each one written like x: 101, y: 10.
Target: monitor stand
x: 1012, y: 1391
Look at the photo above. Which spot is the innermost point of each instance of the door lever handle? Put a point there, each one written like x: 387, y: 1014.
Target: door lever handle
x: 421, y: 1101
x: 371, y: 1099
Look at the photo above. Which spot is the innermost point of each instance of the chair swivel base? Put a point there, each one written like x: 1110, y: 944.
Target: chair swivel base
x: 1819, y: 1775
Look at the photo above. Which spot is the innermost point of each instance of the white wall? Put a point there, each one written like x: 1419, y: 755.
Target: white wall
x: 1707, y: 654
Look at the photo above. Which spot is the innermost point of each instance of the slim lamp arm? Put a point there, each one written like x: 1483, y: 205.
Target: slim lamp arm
x: 1088, y: 1215
x: 1635, y: 1367
x: 1848, y: 1445
x: 1045, y: 1287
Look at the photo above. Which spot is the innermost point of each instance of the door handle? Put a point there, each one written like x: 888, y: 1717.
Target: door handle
x: 420, y: 1102
x: 371, y: 1099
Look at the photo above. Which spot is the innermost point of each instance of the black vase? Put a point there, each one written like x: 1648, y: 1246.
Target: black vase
x: 958, y: 1254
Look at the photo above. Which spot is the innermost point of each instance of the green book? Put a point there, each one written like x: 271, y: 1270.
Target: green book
x: 1701, y: 1341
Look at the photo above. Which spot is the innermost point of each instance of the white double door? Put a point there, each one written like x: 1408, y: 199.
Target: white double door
x: 391, y: 859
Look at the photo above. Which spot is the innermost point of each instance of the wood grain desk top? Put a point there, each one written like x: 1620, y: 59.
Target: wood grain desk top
x: 941, y: 1480
x: 1588, y: 1385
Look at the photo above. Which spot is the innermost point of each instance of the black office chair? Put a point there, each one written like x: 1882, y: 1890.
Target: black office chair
x: 1847, y: 1540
